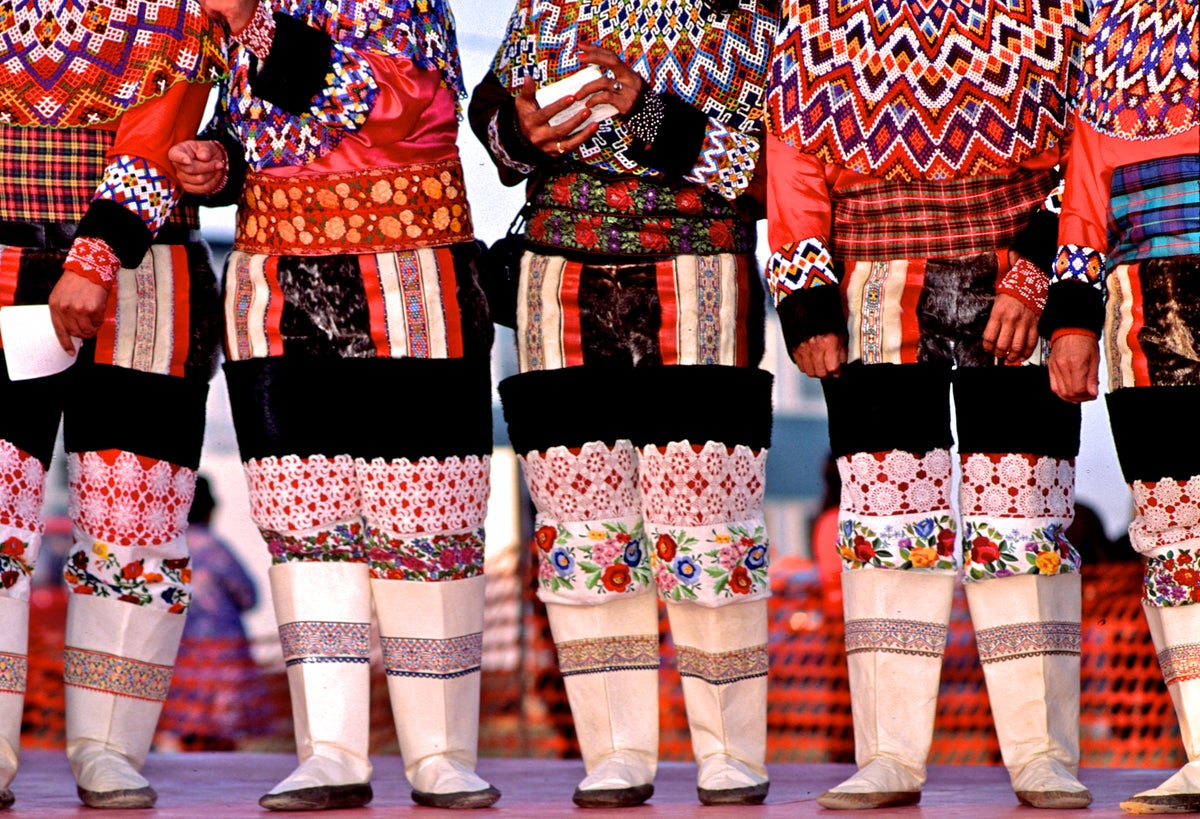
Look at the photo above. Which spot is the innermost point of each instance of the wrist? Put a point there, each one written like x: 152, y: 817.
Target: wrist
x: 94, y: 260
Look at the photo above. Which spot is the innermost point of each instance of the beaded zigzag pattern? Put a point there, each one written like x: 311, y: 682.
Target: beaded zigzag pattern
x: 71, y: 63
x: 716, y: 62
x: 14, y: 670
x: 1142, y: 69
x: 135, y: 184
x: 896, y: 637
x: 724, y: 667
x: 799, y: 266
x: 926, y: 90
x: 602, y: 654
x: 433, y: 659
x: 1018, y: 640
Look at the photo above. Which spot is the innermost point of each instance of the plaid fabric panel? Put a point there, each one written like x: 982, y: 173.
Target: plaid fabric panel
x: 51, y: 174
x: 921, y: 220
x: 1154, y: 210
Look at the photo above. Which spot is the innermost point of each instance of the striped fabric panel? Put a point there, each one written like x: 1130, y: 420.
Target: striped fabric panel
x: 1154, y: 210
x: 920, y: 220
x: 143, y: 329
x: 882, y: 302
x: 411, y: 306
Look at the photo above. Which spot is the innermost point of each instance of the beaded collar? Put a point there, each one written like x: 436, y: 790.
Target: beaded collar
x: 926, y: 89
x: 73, y: 63
x: 1141, y: 69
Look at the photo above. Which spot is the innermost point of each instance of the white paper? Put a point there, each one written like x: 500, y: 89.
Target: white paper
x: 569, y: 85
x: 31, y: 348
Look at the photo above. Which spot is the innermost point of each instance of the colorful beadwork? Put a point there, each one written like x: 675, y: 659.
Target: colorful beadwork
x: 896, y: 636
x: 1142, y: 69
x: 722, y: 667
x: 312, y: 641
x: 433, y: 659
x: 1017, y: 640
x: 900, y: 89
x: 602, y: 654
x: 72, y: 63
x: 110, y: 674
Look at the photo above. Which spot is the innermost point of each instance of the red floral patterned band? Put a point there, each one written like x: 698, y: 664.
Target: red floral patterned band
x: 370, y: 211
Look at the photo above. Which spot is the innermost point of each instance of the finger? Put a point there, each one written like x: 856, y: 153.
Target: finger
x: 60, y: 331
x: 990, y: 332
x: 528, y: 92
x: 596, y: 55
x: 1004, y: 340
x: 571, y: 143
x: 543, y: 115
x: 1025, y: 341
x: 833, y: 363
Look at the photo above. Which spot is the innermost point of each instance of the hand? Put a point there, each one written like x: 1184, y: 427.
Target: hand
x: 821, y: 356
x: 76, y: 308
x: 534, y: 123
x: 201, y: 165
x: 1074, y: 367
x: 1011, y: 332
x: 234, y: 13
x: 621, y: 90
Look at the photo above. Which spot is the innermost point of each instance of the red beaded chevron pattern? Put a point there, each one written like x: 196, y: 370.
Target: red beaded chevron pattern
x: 926, y: 89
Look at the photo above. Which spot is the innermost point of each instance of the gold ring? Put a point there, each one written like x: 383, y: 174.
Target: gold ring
x: 559, y: 146
x: 617, y: 86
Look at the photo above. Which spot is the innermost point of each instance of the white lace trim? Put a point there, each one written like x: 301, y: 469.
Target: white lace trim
x: 127, y: 504
x: 1168, y: 514
x: 882, y: 484
x: 598, y: 483
x: 293, y: 494
x: 682, y: 487
x: 1016, y: 485
x: 22, y: 482
x: 430, y: 495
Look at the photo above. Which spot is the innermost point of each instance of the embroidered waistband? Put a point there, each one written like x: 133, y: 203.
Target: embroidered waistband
x: 370, y: 211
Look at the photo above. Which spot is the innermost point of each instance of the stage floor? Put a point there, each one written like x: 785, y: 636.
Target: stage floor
x: 223, y: 785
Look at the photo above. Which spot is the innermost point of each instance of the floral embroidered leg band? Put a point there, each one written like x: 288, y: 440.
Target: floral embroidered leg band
x: 588, y: 537
x: 22, y: 480
x: 307, y: 509
x: 895, y: 511
x: 1015, y: 509
x: 425, y: 519
x: 129, y: 515
x: 703, y: 512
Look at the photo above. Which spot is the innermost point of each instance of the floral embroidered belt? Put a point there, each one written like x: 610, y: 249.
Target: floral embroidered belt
x: 635, y: 217
x: 369, y: 211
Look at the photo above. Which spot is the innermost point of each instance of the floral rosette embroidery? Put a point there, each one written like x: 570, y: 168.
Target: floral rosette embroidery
x: 736, y: 566
x: 1173, y: 579
x: 341, y: 544
x: 989, y: 552
x: 13, y: 565
x: 429, y: 558
x: 607, y: 558
x: 925, y: 543
x: 103, y: 574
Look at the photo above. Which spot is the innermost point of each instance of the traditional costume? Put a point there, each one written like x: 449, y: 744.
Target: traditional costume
x: 1130, y: 236
x: 94, y: 95
x: 349, y: 280
x: 911, y: 146
x: 639, y: 414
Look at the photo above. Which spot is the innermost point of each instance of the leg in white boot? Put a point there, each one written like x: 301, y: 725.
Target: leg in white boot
x: 1028, y: 634
x: 1176, y: 630
x: 722, y: 657
x: 14, y: 665
x: 609, y: 658
x: 324, y: 612
x: 117, y: 670
x: 896, y: 624
x: 432, y: 647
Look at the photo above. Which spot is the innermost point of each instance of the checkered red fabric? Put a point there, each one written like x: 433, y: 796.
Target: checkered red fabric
x: 930, y: 220
x: 51, y: 174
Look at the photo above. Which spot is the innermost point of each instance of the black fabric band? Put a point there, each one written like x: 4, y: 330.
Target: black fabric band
x: 1154, y: 429
x: 1013, y: 409
x: 120, y: 228
x: 680, y: 137
x: 1072, y: 304
x: 157, y: 416
x: 294, y: 70
x: 30, y: 412
x: 650, y: 405
x: 363, y: 407
x: 881, y: 407
x: 811, y: 312
x: 1038, y: 240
